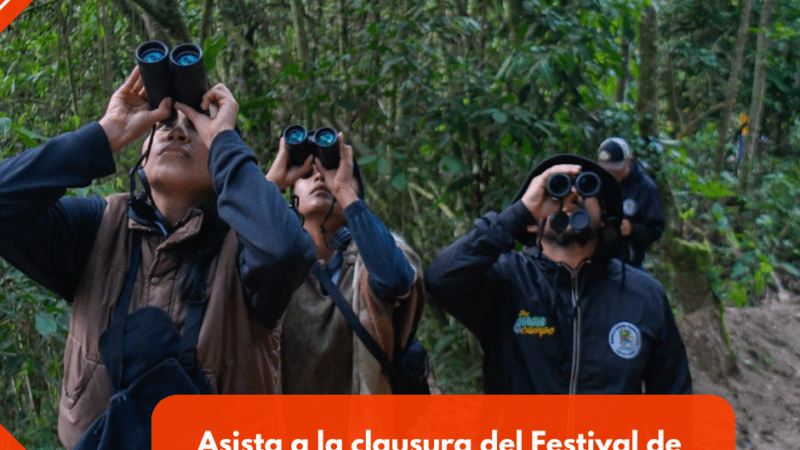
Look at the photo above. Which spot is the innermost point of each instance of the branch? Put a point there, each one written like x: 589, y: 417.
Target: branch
x: 691, y: 127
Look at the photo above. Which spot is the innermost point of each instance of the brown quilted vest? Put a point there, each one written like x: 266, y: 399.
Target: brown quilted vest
x: 238, y: 355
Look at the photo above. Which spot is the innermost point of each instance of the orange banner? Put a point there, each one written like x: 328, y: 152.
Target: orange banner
x: 9, y: 10
x: 443, y: 423
x: 7, y: 442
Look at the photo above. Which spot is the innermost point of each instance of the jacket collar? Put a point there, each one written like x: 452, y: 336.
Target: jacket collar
x: 143, y: 216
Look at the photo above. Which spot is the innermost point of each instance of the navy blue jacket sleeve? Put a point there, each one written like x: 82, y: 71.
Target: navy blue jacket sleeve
x: 462, y: 279
x: 43, y: 234
x: 648, y: 221
x: 649, y: 225
x: 667, y: 370
x: 390, y: 274
x: 276, y: 252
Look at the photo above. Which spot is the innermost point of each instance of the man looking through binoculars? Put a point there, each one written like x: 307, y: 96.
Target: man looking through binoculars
x: 560, y: 317
x: 209, y: 249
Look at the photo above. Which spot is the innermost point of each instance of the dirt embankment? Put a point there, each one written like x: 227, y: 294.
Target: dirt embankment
x: 763, y: 382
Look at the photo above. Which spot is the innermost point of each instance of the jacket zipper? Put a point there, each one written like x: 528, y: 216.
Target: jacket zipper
x: 576, y: 334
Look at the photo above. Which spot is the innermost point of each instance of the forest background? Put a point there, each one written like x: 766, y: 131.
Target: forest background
x: 448, y: 104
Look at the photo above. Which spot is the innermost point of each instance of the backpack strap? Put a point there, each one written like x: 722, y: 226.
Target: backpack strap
x: 352, y: 320
x: 191, y: 326
x: 116, y: 330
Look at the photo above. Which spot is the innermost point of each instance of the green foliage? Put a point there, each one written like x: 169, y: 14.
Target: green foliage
x: 33, y: 329
x: 448, y: 105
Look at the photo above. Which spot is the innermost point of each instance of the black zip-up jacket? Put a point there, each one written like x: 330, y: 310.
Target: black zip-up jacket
x: 48, y: 236
x: 546, y: 329
x: 648, y: 220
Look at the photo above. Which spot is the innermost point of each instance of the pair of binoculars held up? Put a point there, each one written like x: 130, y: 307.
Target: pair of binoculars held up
x: 323, y: 143
x: 560, y: 185
x: 179, y: 74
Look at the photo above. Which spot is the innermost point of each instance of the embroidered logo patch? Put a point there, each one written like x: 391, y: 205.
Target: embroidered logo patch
x: 629, y: 207
x: 625, y: 340
x: 532, y: 325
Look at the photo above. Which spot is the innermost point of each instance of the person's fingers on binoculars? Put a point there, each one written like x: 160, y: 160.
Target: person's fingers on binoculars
x: 283, y: 153
x: 320, y: 168
x: 539, y: 184
x: 328, y: 175
x: 535, y: 195
x: 569, y: 169
x: 308, y: 164
x: 220, y: 95
x: 293, y: 173
x: 346, y: 156
x: 143, y: 94
x: 188, y: 111
x: 195, y: 117
x: 162, y: 112
x: 132, y: 78
x: 138, y: 86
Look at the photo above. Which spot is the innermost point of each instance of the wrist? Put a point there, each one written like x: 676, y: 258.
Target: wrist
x: 112, y: 133
x: 346, y: 197
x: 530, y: 206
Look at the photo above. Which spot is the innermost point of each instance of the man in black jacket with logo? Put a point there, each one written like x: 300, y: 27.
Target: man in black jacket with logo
x: 562, y: 316
x: 643, y: 221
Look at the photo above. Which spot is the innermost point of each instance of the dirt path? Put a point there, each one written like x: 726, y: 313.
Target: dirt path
x: 764, y: 389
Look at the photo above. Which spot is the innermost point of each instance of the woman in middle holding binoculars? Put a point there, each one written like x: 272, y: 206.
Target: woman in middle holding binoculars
x: 378, y: 275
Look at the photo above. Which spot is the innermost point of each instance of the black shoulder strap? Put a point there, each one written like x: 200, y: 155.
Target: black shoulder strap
x: 116, y: 330
x: 191, y: 325
x: 352, y: 319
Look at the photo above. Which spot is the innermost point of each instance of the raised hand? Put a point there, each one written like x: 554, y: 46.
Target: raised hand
x: 128, y: 115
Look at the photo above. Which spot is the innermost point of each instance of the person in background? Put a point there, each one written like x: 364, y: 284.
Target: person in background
x: 643, y: 221
x: 378, y: 274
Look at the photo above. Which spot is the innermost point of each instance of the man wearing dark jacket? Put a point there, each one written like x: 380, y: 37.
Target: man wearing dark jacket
x: 643, y: 221
x: 206, y: 266
x: 561, y: 317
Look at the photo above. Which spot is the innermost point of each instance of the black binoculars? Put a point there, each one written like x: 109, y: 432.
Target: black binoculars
x: 323, y: 143
x: 179, y: 74
x: 559, y: 185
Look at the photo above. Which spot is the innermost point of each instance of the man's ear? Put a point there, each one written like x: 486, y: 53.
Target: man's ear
x: 533, y: 229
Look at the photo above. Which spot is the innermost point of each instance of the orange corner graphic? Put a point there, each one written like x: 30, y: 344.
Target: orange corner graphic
x: 9, y: 10
x: 7, y: 442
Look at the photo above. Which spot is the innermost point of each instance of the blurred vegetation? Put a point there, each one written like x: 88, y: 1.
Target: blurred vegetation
x: 448, y: 104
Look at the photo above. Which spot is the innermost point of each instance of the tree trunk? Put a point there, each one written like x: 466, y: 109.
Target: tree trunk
x: 622, y: 81
x: 647, y: 103
x: 206, y: 27
x: 301, y: 43
x: 746, y: 178
x: 513, y: 12
x: 343, y: 40
x: 65, y: 31
x: 690, y: 261
x: 106, y: 81
x: 733, y: 86
x: 167, y: 14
